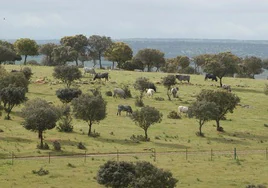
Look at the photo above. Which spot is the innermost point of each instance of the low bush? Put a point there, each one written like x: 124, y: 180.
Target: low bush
x: 139, y: 138
x: 81, y: 146
x: 40, y: 172
x: 57, y: 145
x: 139, y: 102
x: 109, y: 93
x: 173, y: 115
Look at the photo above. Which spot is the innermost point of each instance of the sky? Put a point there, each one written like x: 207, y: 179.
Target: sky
x: 122, y: 19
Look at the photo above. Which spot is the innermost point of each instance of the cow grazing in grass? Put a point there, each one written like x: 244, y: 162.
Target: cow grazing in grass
x: 183, y: 109
x: 174, y: 91
x: 211, y: 76
x: 227, y: 87
x: 119, y: 92
x: 150, y: 92
x: 151, y: 86
x: 89, y: 70
x: 125, y: 108
x: 104, y: 75
x: 183, y: 77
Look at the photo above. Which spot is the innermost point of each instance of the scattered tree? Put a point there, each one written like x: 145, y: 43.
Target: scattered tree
x: 78, y: 44
x: 62, y: 55
x: 118, y: 52
x: 98, y: 45
x: 39, y: 116
x: 141, y: 84
x: 251, y: 66
x: 47, y: 51
x: 67, y: 74
x: 26, y: 47
x: 146, y: 117
x: 16, y: 79
x: 90, y: 109
x: 169, y: 81
x: 7, y: 54
x: 203, y: 111
x: 225, y: 101
x: 183, y: 61
x: 12, y: 96
x: 151, y: 58
x: 221, y: 64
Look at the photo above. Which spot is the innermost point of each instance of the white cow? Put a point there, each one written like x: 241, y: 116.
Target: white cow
x: 150, y: 92
x: 89, y: 70
x: 174, y: 91
x: 183, y: 109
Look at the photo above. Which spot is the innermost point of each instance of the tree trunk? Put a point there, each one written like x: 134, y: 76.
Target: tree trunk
x: 148, y: 67
x: 76, y: 62
x: 146, y: 135
x: 89, y: 130
x: 25, y: 58
x: 218, y: 125
x: 221, y: 82
x: 168, y: 95
x: 100, y: 61
x: 200, y: 127
x: 40, y: 135
x: 113, y: 65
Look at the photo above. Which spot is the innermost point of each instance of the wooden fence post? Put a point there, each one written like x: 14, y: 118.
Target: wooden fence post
x: 48, y: 157
x: 235, y: 155
x: 211, y: 154
x: 85, y: 159
x: 266, y: 154
x: 186, y: 154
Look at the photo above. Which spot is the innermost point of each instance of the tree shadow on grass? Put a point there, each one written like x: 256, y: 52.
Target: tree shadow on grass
x: 117, y: 141
x: 15, y: 139
x: 228, y: 141
x: 248, y: 135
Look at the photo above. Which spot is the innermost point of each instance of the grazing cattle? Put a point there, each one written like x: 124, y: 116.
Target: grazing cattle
x: 125, y: 108
x: 150, y: 92
x: 183, y: 77
x: 104, y: 75
x: 151, y: 86
x: 119, y: 92
x: 174, y: 91
x: 227, y: 87
x: 211, y: 76
x: 182, y: 109
x: 89, y: 70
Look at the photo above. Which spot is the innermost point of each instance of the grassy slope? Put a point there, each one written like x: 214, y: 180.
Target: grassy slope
x: 244, y: 130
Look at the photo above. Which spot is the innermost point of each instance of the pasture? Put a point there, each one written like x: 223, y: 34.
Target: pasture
x: 244, y: 130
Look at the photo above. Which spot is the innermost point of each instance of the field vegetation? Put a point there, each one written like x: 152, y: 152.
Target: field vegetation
x: 244, y: 130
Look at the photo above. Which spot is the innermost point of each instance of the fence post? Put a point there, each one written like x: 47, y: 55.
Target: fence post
x: 85, y: 159
x: 117, y: 156
x: 186, y: 154
x: 49, y: 157
x: 211, y: 154
x: 12, y: 157
x: 235, y: 154
x: 154, y: 154
x: 266, y: 154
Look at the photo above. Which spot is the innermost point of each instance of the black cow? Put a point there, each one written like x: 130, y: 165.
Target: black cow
x: 104, y: 75
x: 183, y: 77
x: 151, y: 86
x: 211, y: 76
x: 125, y: 108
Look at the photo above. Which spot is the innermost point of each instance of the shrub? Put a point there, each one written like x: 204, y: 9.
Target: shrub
x: 40, y: 172
x: 159, y: 98
x: 126, y: 90
x: 27, y: 72
x: 139, y: 138
x: 126, y: 174
x: 139, y: 102
x: 45, y: 147
x: 94, y: 134
x: 173, y: 115
x: 57, y: 146
x: 109, y: 93
x: 81, y: 146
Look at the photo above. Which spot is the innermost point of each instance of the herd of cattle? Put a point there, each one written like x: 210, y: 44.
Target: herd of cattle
x: 118, y: 92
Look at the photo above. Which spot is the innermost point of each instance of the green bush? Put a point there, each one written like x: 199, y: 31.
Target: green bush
x: 173, y: 115
x: 57, y: 145
x: 40, y: 172
x: 139, y: 102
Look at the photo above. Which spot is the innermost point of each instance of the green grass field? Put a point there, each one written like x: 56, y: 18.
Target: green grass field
x: 244, y: 130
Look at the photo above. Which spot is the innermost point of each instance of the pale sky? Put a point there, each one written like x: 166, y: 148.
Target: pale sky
x: 120, y: 19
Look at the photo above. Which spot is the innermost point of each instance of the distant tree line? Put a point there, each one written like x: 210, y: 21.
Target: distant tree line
x: 79, y: 49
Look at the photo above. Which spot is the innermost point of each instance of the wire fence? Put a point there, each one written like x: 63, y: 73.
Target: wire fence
x: 153, y: 154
